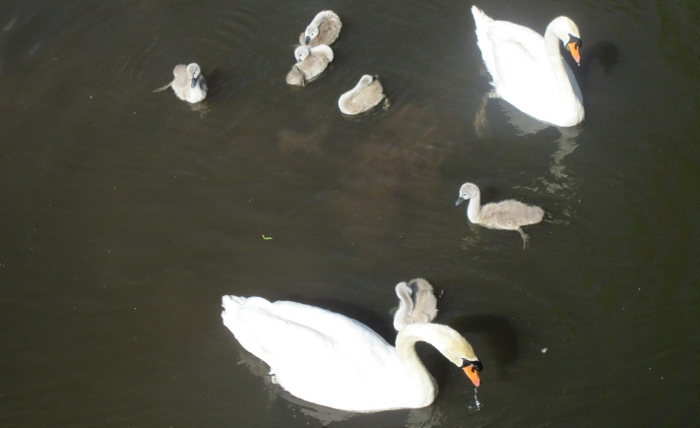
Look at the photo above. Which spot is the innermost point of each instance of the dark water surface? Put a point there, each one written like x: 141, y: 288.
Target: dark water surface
x: 125, y: 215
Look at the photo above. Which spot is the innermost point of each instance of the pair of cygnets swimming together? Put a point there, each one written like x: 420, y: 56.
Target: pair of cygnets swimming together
x: 329, y: 359
x: 314, y: 55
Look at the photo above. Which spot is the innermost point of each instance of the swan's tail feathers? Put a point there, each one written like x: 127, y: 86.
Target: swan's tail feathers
x: 480, y: 18
x: 231, y: 304
x: 534, y: 215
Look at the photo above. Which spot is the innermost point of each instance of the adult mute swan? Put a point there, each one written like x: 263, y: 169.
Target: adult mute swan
x: 366, y: 94
x: 310, y: 63
x: 505, y: 215
x: 528, y: 70
x: 417, y: 303
x: 323, y: 29
x: 189, y: 84
x: 332, y: 360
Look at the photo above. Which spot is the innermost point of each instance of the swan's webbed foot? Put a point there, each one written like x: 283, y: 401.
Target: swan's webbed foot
x: 387, y: 104
x: 526, y: 239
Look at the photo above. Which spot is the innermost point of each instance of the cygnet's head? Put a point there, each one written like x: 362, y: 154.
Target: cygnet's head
x: 366, y: 80
x: 193, y: 71
x: 467, y: 191
x: 301, y: 53
x: 311, y: 33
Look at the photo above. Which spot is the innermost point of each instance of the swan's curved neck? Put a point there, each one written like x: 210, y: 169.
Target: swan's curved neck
x: 406, y: 348
x: 551, y: 44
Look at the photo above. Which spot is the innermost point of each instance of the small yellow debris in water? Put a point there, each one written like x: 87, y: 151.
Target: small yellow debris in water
x: 267, y: 238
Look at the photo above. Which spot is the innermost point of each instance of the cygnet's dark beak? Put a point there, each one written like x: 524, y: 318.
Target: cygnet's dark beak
x: 376, y: 77
x: 307, y: 39
x: 194, y: 82
x: 459, y: 201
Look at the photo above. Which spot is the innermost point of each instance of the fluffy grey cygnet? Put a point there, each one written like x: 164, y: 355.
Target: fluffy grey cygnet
x: 504, y: 215
x: 366, y: 94
x: 311, y: 61
x: 323, y: 30
x: 189, y: 84
x: 417, y: 303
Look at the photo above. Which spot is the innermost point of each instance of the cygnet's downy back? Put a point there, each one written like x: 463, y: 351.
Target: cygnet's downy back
x: 323, y: 29
x: 417, y: 303
x: 366, y: 94
x: 311, y: 61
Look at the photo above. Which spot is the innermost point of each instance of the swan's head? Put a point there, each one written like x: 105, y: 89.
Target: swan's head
x: 467, y: 191
x: 311, y: 33
x: 567, y: 31
x: 448, y: 341
x: 301, y: 53
x: 472, y: 369
x: 193, y: 71
x: 456, y: 348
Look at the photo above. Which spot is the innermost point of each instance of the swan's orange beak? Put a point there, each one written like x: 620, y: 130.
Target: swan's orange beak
x: 473, y: 375
x: 573, y: 48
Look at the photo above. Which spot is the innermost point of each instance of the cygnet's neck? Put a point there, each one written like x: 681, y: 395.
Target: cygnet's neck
x: 405, y: 306
x: 474, y: 208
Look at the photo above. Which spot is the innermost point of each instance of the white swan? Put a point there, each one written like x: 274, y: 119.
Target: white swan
x: 332, y: 360
x: 505, y: 215
x: 527, y: 69
x: 323, y: 29
x: 189, y: 84
x: 366, y: 94
x: 417, y: 303
x: 311, y: 61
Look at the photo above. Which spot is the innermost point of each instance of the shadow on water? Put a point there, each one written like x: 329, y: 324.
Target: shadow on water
x: 603, y: 53
x: 498, y: 332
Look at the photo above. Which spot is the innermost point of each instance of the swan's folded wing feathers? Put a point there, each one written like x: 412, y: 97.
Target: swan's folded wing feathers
x: 276, y: 337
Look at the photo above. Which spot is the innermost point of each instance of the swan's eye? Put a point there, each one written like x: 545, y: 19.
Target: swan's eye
x: 476, y: 365
x: 573, y: 39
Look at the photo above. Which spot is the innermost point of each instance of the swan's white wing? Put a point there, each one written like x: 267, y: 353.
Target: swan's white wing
x: 521, y: 68
x: 317, y: 355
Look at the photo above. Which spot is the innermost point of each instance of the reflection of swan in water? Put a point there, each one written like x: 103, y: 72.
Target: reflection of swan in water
x: 188, y: 84
x: 417, y: 303
x: 329, y: 359
x: 528, y: 70
x: 323, y: 29
x: 504, y: 215
x: 526, y: 125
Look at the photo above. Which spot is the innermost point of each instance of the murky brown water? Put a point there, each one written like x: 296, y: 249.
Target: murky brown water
x: 125, y: 215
